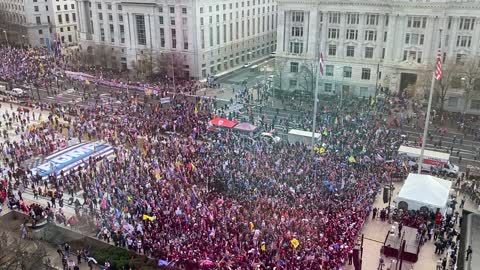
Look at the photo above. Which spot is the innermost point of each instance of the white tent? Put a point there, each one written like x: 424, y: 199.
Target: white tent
x: 422, y: 190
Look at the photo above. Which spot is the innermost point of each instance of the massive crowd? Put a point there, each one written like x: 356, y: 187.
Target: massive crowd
x: 212, y: 200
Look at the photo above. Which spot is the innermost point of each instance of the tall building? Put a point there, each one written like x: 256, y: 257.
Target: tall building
x: 368, y: 43
x: 38, y: 22
x: 196, y: 38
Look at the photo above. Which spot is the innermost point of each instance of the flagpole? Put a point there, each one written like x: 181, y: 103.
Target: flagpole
x: 316, y: 103
x: 427, y: 117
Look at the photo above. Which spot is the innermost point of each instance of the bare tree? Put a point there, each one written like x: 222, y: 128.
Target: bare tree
x: 449, y: 80
x: 470, y: 75
x: 280, y: 70
x: 307, y: 77
x: 171, y: 64
x: 22, y: 254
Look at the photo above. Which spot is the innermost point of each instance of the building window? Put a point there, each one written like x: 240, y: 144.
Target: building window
x: 74, y: 17
x: 370, y: 35
x: 352, y: 18
x: 294, y: 67
x: 141, y: 35
x: 60, y: 18
x: 119, y: 7
x: 350, y: 51
x: 100, y: 16
x: 296, y: 47
x: 109, y: 6
x: 460, y: 58
x: 475, y: 104
x: 65, y: 7
x: 327, y: 87
x: 363, y: 91
x: 369, y: 52
x: 99, y: 6
x: 174, y: 38
x: 35, y: 8
x: 297, y: 31
x: 329, y: 70
x: 352, y: 34
x: 292, y: 83
x: 172, y: 20
x: 452, y: 101
x: 297, y: 16
x: 333, y: 33
x: 466, y: 23
x: 184, y: 10
x: 414, y: 39
x: 347, y: 72
x: 365, y: 74
x: 464, y: 41
x: 332, y: 49
x: 334, y: 17
x: 58, y: 8
x: 172, y: 9
x: 372, y: 19
x: 417, y: 22
x: 40, y: 32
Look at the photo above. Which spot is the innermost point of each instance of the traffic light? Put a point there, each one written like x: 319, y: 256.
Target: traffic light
x: 386, y: 194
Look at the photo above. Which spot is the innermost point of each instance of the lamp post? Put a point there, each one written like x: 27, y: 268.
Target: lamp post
x: 23, y: 41
x: 6, y: 37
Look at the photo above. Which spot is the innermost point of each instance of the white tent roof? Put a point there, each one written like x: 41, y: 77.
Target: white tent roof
x: 425, y: 190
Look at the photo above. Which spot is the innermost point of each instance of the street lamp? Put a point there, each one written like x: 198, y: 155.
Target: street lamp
x: 6, y: 37
x: 23, y: 40
x: 341, y: 86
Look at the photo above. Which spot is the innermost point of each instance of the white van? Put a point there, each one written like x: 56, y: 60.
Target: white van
x: 16, y: 92
x: 430, y: 158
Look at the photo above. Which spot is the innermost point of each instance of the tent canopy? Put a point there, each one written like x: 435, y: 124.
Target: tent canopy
x: 223, y: 122
x: 422, y: 190
x: 245, y: 127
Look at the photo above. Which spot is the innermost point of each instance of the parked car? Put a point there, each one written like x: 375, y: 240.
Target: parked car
x: 246, y: 65
x: 16, y: 92
x: 23, y: 109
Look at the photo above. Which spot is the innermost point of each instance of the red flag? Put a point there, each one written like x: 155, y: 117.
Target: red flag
x: 321, y: 64
x: 438, y: 70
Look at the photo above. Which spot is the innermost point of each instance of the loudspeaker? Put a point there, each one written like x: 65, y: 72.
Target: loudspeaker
x: 356, y: 259
x: 386, y: 194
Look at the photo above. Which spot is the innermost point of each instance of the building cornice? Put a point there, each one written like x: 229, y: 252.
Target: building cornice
x: 387, y: 4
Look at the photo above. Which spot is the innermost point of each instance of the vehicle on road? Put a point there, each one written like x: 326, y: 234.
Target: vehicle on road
x: 23, y: 109
x: 246, y: 65
x: 473, y: 172
x: 270, y: 138
x: 302, y: 136
x: 16, y: 92
x: 430, y: 159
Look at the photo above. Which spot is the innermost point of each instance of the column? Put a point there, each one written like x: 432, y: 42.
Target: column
x: 390, y: 38
x: 282, y: 14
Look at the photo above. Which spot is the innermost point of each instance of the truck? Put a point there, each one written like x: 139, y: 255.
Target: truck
x: 430, y: 159
x: 301, y: 136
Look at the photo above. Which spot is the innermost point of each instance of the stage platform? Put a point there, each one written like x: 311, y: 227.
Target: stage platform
x: 393, y: 244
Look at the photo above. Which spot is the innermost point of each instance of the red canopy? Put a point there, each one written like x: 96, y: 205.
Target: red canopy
x: 223, y: 122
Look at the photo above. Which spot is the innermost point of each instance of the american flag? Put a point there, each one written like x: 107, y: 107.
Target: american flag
x: 321, y: 64
x: 438, y: 70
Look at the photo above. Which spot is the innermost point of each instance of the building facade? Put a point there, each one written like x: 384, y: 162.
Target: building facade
x: 197, y: 38
x: 368, y: 44
x: 38, y: 22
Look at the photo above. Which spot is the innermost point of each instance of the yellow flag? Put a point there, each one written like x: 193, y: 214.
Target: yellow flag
x: 294, y: 243
x: 148, y: 92
x: 251, y: 226
x: 193, y: 167
x: 195, y: 110
x: 263, y: 247
x: 87, y: 82
x: 405, y: 166
x: 147, y: 217
x: 336, y: 121
x: 351, y: 159
x: 178, y: 163
x: 41, y: 119
x: 325, y: 132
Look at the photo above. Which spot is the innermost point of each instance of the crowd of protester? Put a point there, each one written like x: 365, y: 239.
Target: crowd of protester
x: 180, y: 193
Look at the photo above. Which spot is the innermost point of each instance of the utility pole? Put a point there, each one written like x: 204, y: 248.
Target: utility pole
x: 317, y: 82
x: 429, y: 108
